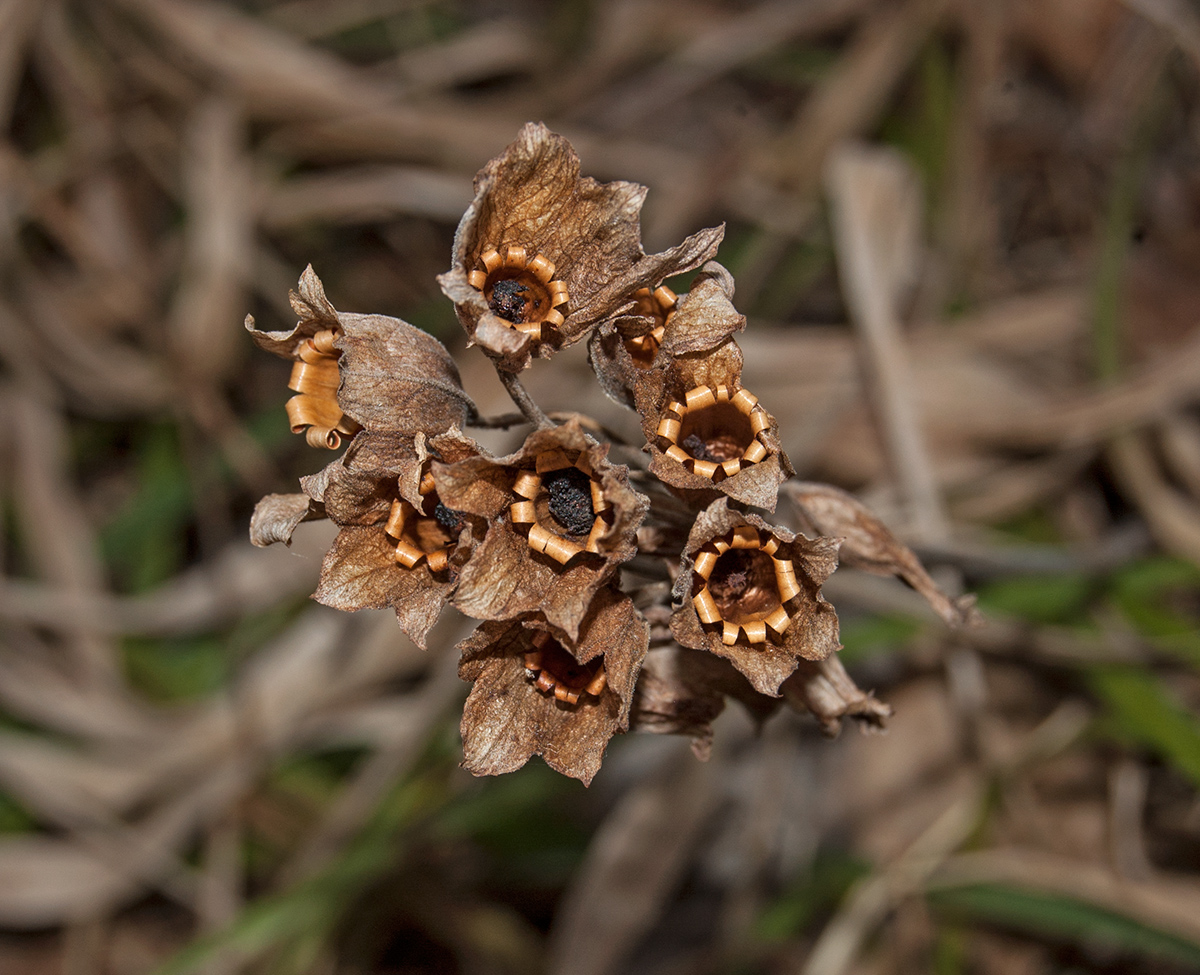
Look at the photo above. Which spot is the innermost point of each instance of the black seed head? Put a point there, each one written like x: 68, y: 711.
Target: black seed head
x: 448, y: 518
x: 508, y: 300
x: 698, y: 448
x: 570, y: 493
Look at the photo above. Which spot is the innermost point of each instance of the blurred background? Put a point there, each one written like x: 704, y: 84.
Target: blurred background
x: 966, y: 234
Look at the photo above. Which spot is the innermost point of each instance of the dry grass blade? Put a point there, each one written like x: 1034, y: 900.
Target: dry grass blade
x: 275, y: 74
x: 1170, y: 904
x: 1177, y: 18
x: 217, y: 249
x: 633, y: 863
x: 1173, y: 519
x: 18, y: 18
x: 59, y: 539
x: 876, y: 215
x: 843, y: 106
x: 361, y: 194
x: 714, y: 52
x: 239, y: 582
x: 872, y: 899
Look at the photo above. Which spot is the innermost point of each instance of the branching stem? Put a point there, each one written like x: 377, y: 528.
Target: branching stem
x: 529, y: 409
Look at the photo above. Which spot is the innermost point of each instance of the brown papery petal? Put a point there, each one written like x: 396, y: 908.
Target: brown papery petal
x: 315, y: 315
x: 397, y: 378
x: 276, y: 516
x: 361, y: 572
x: 507, y: 719
x: 531, y: 196
x: 868, y: 545
x: 768, y: 657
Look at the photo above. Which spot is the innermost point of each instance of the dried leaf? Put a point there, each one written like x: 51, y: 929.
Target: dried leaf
x: 868, y: 545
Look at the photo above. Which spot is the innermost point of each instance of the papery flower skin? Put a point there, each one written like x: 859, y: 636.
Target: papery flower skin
x: 561, y: 520
x: 706, y: 434
x: 536, y: 692
x: 399, y: 546
x: 750, y: 592
x: 520, y: 289
x: 315, y: 377
x: 531, y: 202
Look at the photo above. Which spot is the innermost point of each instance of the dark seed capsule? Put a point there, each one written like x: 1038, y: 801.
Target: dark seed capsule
x: 570, y: 493
x: 698, y: 448
x: 508, y: 300
x: 448, y: 518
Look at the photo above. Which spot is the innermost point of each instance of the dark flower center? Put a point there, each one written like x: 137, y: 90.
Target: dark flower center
x: 509, y: 299
x: 743, y: 585
x: 558, y: 673
x: 716, y: 433
x: 570, y: 499
x: 448, y: 518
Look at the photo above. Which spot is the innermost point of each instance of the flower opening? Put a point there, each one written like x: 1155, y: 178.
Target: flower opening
x: 716, y: 431
x: 563, y: 505
x: 315, y: 377
x: 660, y: 306
x: 743, y: 588
x: 557, y: 672
x: 519, y: 289
x: 427, y: 534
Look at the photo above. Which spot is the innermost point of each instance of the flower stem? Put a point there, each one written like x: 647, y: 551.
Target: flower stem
x: 501, y: 422
x: 529, y: 409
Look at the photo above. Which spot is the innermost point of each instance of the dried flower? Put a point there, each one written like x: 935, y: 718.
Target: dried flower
x: 394, y: 378
x: 533, y: 543
x: 400, y: 545
x: 706, y: 434
x: 311, y: 344
x: 751, y: 593
x: 531, y: 200
x: 536, y: 692
x: 562, y: 519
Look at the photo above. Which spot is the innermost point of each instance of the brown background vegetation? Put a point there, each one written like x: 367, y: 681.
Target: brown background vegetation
x: 966, y: 236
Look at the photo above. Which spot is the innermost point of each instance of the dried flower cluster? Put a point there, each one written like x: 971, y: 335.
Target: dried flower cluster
x: 571, y: 649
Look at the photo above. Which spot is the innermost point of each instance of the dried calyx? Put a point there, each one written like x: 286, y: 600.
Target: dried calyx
x: 563, y: 506
x: 715, y: 431
x: 556, y: 672
x: 658, y: 306
x: 519, y: 289
x: 538, y: 544
x: 742, y: 586
x: 424, y: 534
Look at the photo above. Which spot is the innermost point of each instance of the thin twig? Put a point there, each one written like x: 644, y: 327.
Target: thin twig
x: 501, y: 422
x: 529, y: 409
